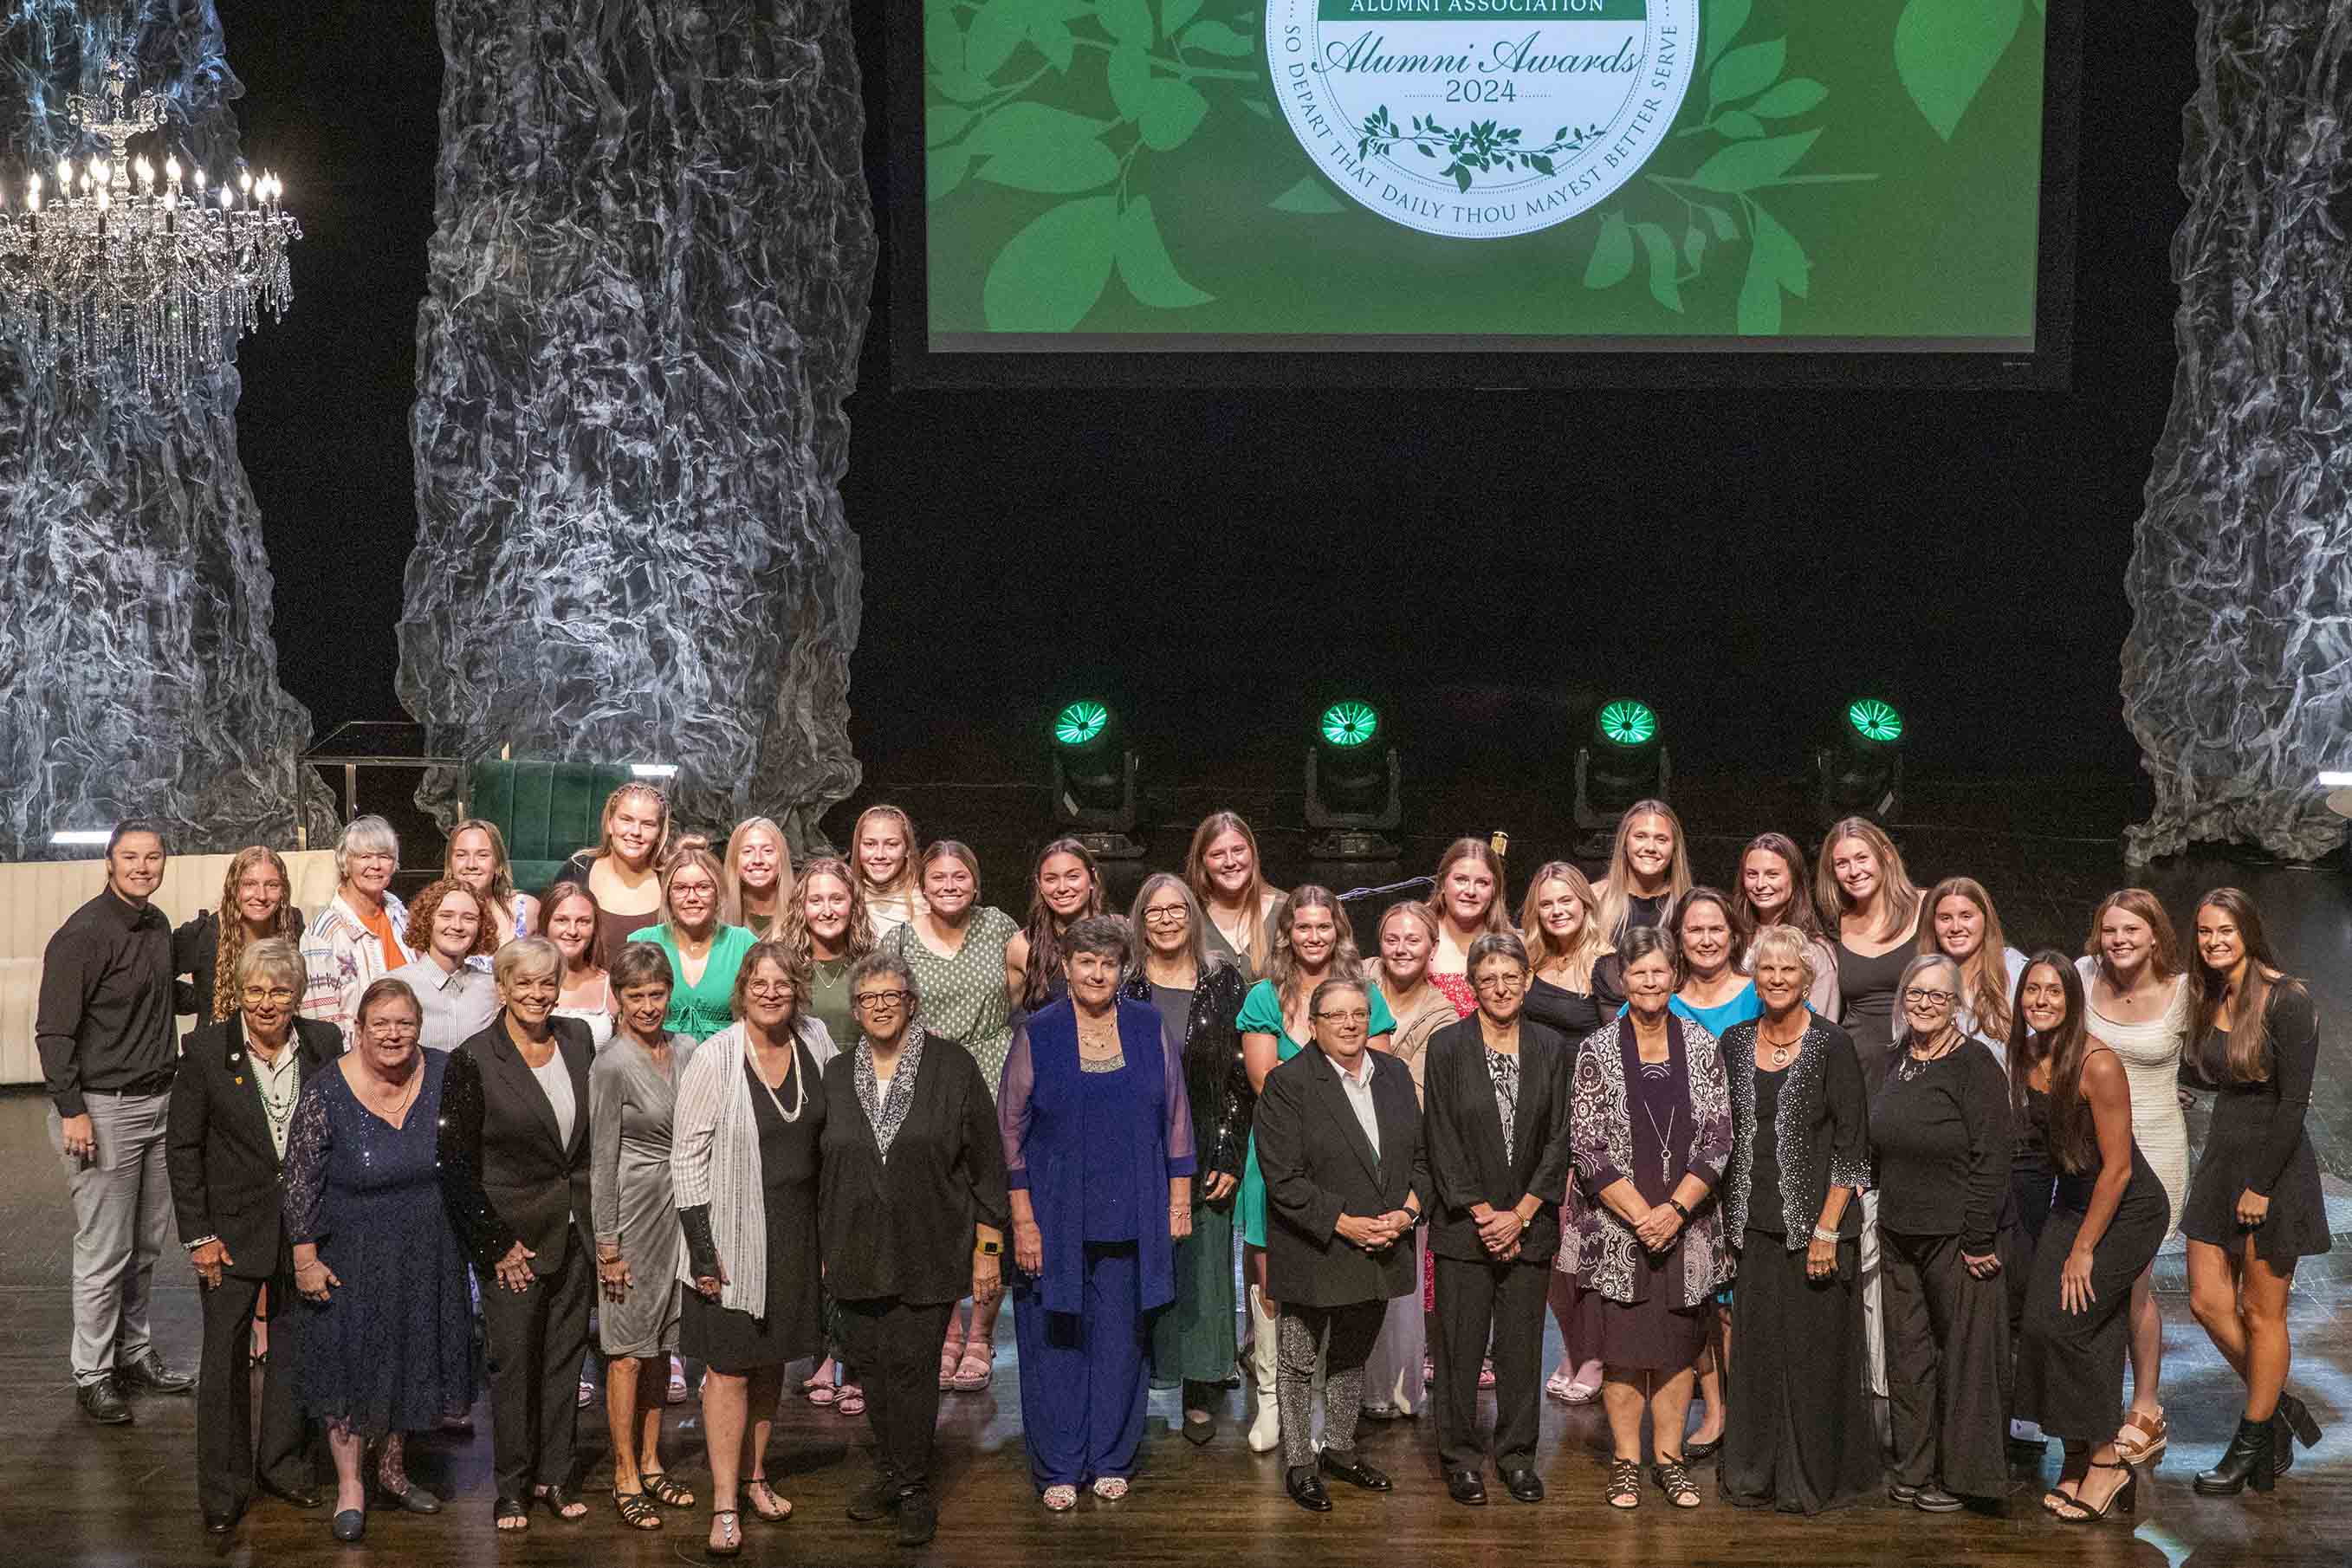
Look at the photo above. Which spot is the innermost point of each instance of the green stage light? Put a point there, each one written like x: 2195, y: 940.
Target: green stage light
x: 1875, y: 721
x: 1347, y: 725
x: 1081, y: 723
x: 1626, y: 723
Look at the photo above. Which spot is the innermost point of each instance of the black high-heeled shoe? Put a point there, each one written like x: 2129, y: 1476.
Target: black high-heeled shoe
x: 2124, y: 1498
x: 2249, y: 1460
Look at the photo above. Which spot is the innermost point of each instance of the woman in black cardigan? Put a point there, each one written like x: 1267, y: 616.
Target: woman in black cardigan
x: 1798, y: 1435
x: 911, y: 1218
x: 1496, y: 1124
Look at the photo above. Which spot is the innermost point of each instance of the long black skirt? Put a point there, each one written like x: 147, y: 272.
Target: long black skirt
x: 2070, y: 1365
x: 1797, y: 1433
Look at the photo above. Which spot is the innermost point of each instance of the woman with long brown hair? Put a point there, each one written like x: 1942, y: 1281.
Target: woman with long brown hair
x: 1065, y: 887
x: 1649, y: 870
x: 1466, y: 897
x: 1870, y: 910
x: 2255, y: 1205
x: 826, y: 926
x: 1773, y: 890
x: 1222, y: 869
x: 2106, y: 1219
x: 477, y: 856
x: 256, y: 904
x: 1960, y: 922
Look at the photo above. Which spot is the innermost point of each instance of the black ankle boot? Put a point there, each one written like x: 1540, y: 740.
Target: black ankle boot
x: 2247, y: 1461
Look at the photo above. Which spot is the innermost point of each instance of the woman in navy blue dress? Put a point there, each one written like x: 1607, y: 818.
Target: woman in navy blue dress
x: 389, y: 1343
x: 1099, y: 1161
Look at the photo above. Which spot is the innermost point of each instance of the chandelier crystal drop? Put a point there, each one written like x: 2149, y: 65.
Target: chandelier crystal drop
x: 118, y: 260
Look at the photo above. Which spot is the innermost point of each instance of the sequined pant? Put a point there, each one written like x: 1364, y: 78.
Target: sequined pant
x: 1342, y: 1338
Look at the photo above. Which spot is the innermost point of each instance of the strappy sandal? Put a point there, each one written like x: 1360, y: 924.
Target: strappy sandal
x: 776, y: 1515
x: 1674, y: 1481
x: 2124, y: 1497
x: 974, y: 1372
x: 635, y: 1512
x: 1624, y: 1484
x: 2142, y: 1440
x: 730, y: 1534
x: 563, y: 1503
x: 820, y: 1389
x: 510, y: 1515
x: 1060, y: 1499
x: 950, y: 1358
x: 676, y: 1390
x: 665, y: 1490
x: 852, y: 1401
x: 1557, y: 1384
x: 1110, y: 1488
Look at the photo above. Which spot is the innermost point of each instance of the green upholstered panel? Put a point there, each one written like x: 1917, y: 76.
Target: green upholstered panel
x: 547, y: 810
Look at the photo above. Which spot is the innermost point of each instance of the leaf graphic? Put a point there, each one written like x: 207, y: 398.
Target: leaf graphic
x: 1945, y: 50
x: 1540, y: 163
x: 1759, y: 300
x: 943, y: 122
x: 1748, y: 70
x: 1024, y: 122
x: 1782, y: 257
x: 1744, y: 165
x: 1049, y: 275
x: 1174, y: 13
x: 1171, y: 111
x: 1792, y: 97
x: 1146, y: 266
x: 1129, y: 21
x: 1055, y: 170
x: 1218, y: 40
x: 1130, y: 80
x: 1664, y: 265
x: 955, y: 82
x: 996, y: 32
x: 1694, y: 247
x: 1739, y: 125
x: 942, y: 38
x: 1258, y: 107
x: 1613, y: 255
x: 1719, y: 23
x: 1052, y: 36
x: 1309, y: 195
x: 1724, y: 228
x: 943, y: 170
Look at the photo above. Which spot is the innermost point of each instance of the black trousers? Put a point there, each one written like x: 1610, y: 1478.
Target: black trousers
x: 225, y: 1462
x: 895, y: 1345
x: 537, y: 1337
x: 1947, y: 1365
x: 1478, y: 1304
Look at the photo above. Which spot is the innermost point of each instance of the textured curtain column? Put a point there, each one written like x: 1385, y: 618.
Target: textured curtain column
x: 649, y: 279
x: 2237, y: 676
x: 137, y: 673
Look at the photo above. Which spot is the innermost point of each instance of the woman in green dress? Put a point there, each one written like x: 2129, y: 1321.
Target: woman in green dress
x: 704, y: 951
x: 1312, y: 943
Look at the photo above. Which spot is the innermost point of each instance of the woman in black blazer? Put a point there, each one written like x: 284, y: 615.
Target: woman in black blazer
x: 1339, y: 1141
x: 231, y: 1102
x: 1497, y: 1088
x: 515, y: 1175
x: 911, y: 1218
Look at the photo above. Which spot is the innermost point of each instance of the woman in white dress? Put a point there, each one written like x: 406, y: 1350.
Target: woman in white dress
x: 2138, y: 984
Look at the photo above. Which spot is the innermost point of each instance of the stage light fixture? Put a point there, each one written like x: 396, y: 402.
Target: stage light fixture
x: 653, y: 770
x: 1622, y: 761
x: 82, y: 838
x: 1861, y: 774
x: 1353, y: 785
x: 1093, y: 779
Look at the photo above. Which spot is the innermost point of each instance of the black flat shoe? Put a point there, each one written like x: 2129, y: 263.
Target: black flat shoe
x: 1198, y: 1433
x: 222, y: 1523
x: 297, y: 1497
x: 1693, y: 1452
x: 146, y: 1373
x: 510, y: 1507
x: 1465, y: 1487
x: 1524, y: 1485
x: 1305, y: 1488
x: 1933, y: 1498
x: 558, y: 1498
x: 412, y: 1499
x: 919, y: 1516
x: 878, y: 1499
x: 349, y: 1525
x: 102, y: 1402
x: 1353, y: 1471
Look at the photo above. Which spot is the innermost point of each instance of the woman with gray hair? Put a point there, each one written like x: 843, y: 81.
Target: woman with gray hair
x: 911, y: 1218
x: 1098, y: 1160
x: 1939, y: 1131
x: 1798, y: 1435
x: 363, y: 933
x: 515, y: 1173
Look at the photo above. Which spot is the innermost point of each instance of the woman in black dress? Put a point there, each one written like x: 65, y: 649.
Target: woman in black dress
x: 1939, y: 1131
x: 2106, y: 1217
x: 1796, y: 1432
x: 2255, y: 1206
x: 743, y: 1162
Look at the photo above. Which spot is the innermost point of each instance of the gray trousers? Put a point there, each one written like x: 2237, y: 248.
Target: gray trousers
x: 122, y: 1221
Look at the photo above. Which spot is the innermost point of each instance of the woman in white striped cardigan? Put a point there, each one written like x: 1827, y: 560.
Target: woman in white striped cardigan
x: 743, y: 1162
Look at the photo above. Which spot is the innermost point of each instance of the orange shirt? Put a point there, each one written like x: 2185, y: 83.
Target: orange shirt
x: 381, y: 924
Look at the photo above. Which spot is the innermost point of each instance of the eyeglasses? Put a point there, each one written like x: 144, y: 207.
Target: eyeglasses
x: 393, y: 1028
x: 884, y: 998
x: 769, y: 988
x: 1171, y: 916
x: 258, y: 995
x: 1501, y: 984
x: 1353, y: 1016
x: 1929, y: 998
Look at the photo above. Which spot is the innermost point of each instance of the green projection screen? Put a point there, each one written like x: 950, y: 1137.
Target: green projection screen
x: 1505, y: 192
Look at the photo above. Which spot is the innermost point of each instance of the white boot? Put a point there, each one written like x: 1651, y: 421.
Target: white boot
x: 1266, y: 1432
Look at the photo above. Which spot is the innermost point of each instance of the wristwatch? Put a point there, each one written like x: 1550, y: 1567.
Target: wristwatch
x: 1676, y: 1204
x: 991, y: 1249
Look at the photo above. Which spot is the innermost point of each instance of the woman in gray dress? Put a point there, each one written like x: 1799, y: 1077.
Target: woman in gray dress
x: 632, y: 1092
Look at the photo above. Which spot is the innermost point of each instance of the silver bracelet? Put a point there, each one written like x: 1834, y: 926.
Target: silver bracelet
x: 1822, y: 1233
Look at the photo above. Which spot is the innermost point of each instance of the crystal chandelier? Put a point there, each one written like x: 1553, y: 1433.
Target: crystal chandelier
x: 171, y: 273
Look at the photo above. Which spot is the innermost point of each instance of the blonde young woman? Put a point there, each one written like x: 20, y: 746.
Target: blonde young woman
x: 1466, y: 897
x: 622, y: 873
x: 1961, y: 923
x: 478, y: 858
x: 1577, y: 985
x: 1396, y: 1377
x: 1773, y: 889
x: 1223, y: 869
x: 1313, y: 943
x: 254, y: 907
x: 885, y: 847
x: 704, y: 951
x: 2140, y: 999
x: 1649, y: 870
x: 755, y: 884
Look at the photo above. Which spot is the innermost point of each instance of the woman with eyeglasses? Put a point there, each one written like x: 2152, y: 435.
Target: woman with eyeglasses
x: 1939, y: 1131
x: 911, y: 1215
x: 705, y: 953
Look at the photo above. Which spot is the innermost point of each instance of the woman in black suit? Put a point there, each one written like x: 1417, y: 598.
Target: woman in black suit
x: 231, y: 1102
x: 1499, y: 1158
x: 1339, y: 1141
x: 515, y: 1175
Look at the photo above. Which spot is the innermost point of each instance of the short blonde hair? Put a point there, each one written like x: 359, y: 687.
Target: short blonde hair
x: 366, y: 836
x: 276, y: 957
x: 1786, y: 942
x: 525, y: 958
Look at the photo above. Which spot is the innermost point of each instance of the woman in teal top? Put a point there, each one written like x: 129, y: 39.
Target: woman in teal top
x: 703, y: 954
x: 1312, y: 943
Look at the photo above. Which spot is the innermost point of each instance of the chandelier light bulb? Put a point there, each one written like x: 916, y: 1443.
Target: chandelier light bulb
x: 102, y: 202
x: 146, y: 172
x: 97, y: 170
x: 200, y: 178
x: 245, y: 179
x: 172, y: 170
x: 65, y: 173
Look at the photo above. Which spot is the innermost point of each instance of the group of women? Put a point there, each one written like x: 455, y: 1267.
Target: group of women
x: 757, y: 1115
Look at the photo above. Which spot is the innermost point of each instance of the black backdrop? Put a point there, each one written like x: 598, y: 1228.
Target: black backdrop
x: 1746, y: 558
